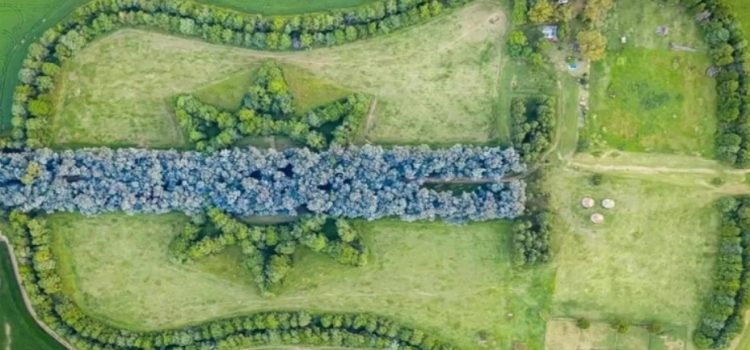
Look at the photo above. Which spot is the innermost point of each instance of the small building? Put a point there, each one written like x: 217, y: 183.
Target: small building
x: 550, y: 32
x: 562, y: 2
x: 608, y: 203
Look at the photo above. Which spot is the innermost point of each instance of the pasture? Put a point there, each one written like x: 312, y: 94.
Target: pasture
x: 454, y: 280
x: 651, y: 260
x: 117, y: 91
x: 17, y: 328
x: 646, y: 97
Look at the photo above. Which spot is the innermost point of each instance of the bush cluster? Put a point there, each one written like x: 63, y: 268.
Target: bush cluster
x: 39, y: 277
x: 268, y: 249
x: 727, y: 43
x: 360, y: 182
x: 33, y: 105
x: 267, y: 110
x: 533, y: 124
x: 722, y: 317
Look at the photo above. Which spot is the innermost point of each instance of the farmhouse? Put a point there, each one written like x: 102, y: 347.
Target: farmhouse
x: 550, y: 32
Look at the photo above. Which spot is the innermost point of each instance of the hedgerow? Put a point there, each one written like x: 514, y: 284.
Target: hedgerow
x: 33, y: 105
x: 727, y: 43
x: 268, y: 249
x: 267, y: 110
x: 723, y: 314
x: 37, y: 268
x: 360, y: 182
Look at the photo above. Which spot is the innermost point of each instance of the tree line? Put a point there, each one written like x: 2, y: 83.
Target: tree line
x: 33, y: 104
x: 267, y: 109
x: 268, y: 249
x: 727, y: 44
x: 367, y: 182
x: 532, y: 231
x: 37, y: 266
x: 722, y: 318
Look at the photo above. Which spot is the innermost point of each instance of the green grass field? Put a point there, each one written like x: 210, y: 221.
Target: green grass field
x: 653, y: 257
x: 646, y: 97
x: 21, y: 23
x: 117, y: 91
x: 17, y: 328
x: 285, y: 7
x: 454, y: 280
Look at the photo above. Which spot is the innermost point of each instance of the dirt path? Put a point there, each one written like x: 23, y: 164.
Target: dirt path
x: 652, y: 170
x: 370, y: 120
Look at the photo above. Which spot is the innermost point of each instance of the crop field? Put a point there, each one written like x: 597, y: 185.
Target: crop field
x: 17, y: 329
x: 22, y: 22
x: 456, y: 280
x: 646, y: 97
x: 448, y: 96
x: 285, y: 7
x: 653, y: 257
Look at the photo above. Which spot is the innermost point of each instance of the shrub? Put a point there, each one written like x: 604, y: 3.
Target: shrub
x: 596, y: 179
x: 621, y: 326
x: 583, y: 323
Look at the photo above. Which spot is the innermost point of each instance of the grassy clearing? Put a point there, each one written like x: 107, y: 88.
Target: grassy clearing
x: 454, y: 280
x: 436, y: 82
x: 651, y: 260
x: 21, y: 23
x: 285, y: 7
x: 646, y: 97
x: 308, y: 90
x: 18, y: 331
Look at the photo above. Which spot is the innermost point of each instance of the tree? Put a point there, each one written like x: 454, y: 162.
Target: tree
x: 593, y: 44
x: 596, y: 10
x: 518, y: 44
x: 542, y: 12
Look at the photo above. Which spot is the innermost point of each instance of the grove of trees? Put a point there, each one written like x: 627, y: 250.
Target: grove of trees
x: 533, y: 122
x: 37, y: 267
x: 33, y: 105
x: 267, y: 109
x: 268, y: 249
x: 367, y: 182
